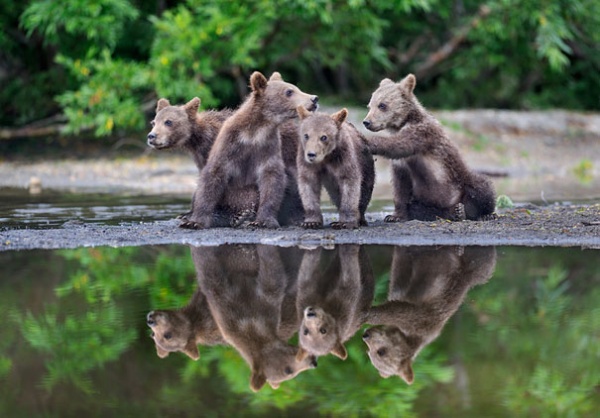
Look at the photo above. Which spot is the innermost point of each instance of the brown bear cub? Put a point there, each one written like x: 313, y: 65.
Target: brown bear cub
x: 183, y: 329
x: 248, y: 152
x: 430, y: 178
x: 427, y: 286
x: 334, y: 154
x: 333, y: 299
x: 183, y: 127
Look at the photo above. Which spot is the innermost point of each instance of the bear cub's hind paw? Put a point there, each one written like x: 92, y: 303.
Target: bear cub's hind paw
x: 241, y: 217
x: 269, y: 223
x: 312, y: 225
x: 187, y: 224
x: 343, y: 225
x: 394, y: 218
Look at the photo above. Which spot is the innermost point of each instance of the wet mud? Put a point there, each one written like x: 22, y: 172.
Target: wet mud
x: 526, y: 225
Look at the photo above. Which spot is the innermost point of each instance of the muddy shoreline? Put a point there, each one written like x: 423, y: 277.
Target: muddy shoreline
x: 529, y: 225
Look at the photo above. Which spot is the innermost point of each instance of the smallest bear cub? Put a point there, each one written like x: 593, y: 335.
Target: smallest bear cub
x: 333, y: 154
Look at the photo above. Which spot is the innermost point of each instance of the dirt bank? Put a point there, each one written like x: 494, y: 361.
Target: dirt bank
x: 555, y: 225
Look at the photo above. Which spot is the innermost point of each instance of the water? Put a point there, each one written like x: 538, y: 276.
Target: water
x: 491, y: 332
x: 51, y: 209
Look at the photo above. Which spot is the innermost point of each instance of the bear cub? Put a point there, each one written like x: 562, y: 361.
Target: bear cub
x: 335, y: 155
x: 248, y: 152
x: 429, y: 176
x: 184, y: 127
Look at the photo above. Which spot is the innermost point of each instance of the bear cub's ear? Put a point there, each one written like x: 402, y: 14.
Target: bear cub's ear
x: 302, y: 112
x: 275, y: 77
x: 408, y: 83
x: 385, y: 82
x: 340, y: 117
x: 258, y: 82
x: 162, y: 103
x: 192, y: 106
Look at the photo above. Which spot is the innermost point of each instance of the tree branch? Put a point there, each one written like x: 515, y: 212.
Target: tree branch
x: 53, y: 125
x: 451, y: 45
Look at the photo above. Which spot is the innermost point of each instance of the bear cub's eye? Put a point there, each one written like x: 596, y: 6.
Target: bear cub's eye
x: 305, y: 331
x: 381, y: 352
x: 168, y: 123
x: 324, y: 138
x: 288, y: 370
x: 167, y: 336
x: 289, y: 92
x: 323, y: 331
x: 306, y: 137
x: 382, y: 106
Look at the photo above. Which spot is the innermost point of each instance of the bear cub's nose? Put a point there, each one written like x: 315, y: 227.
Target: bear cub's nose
x: 311, y: 156
x: 366, y: 123
x: 150, y: 319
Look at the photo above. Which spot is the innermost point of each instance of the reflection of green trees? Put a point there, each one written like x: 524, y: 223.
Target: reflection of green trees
x: 535, y: 329
x: 91, y: 323
x: 524, y: 344
x: 78, y: 344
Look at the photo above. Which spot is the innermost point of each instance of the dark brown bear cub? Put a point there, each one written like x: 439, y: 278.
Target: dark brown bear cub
x: 248, y: 151
x: 183, y: 127
x: 429, y: 176
x: 334, y: 154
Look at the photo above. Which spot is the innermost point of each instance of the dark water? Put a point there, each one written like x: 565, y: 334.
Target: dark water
x: 476, y: 331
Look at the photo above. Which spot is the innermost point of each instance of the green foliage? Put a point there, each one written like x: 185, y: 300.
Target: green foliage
x: 584, y: 171
x: 5, y: 366
x: 105, y: 102
x: 504, y: 202
x: 122, y: 55
x: 81, y: 25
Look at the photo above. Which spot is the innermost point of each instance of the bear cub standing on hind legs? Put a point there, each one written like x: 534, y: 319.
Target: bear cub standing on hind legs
x: 336, y: 155
x: 430, y: 178
x: 248, y: 151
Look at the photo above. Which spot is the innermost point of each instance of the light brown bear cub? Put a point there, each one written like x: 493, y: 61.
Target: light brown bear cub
x: 183, y: 127
x: 334, y: 154
x: 427, y: 286
x: 429, y: 176
x: 333, y: 299
x: 248, y: 151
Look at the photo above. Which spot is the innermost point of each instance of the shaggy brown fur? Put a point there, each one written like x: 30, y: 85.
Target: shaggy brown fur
x: 248, y: 151
x: 427, y: 286
x: 183, y: 127
x: 334, y: 154
x: 429, y: 176
x: 334, y: 301
x: 245, y: 287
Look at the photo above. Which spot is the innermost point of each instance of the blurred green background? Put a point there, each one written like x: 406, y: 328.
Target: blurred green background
x: 100, y: 65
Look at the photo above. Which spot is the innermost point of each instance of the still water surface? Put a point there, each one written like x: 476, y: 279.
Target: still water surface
x: 256, y: 330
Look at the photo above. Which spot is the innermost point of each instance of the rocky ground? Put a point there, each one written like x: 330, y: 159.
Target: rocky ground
x: 539, y: 157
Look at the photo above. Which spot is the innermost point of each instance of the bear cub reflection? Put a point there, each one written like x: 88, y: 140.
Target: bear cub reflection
x: 427, y: 286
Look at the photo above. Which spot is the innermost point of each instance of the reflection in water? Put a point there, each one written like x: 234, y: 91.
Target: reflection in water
x: 427, y: 286
x: 246, y: 298
x: 523, y: 344
x: 256, y: 297
x: 184, y: 329
x: 333, y: 299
